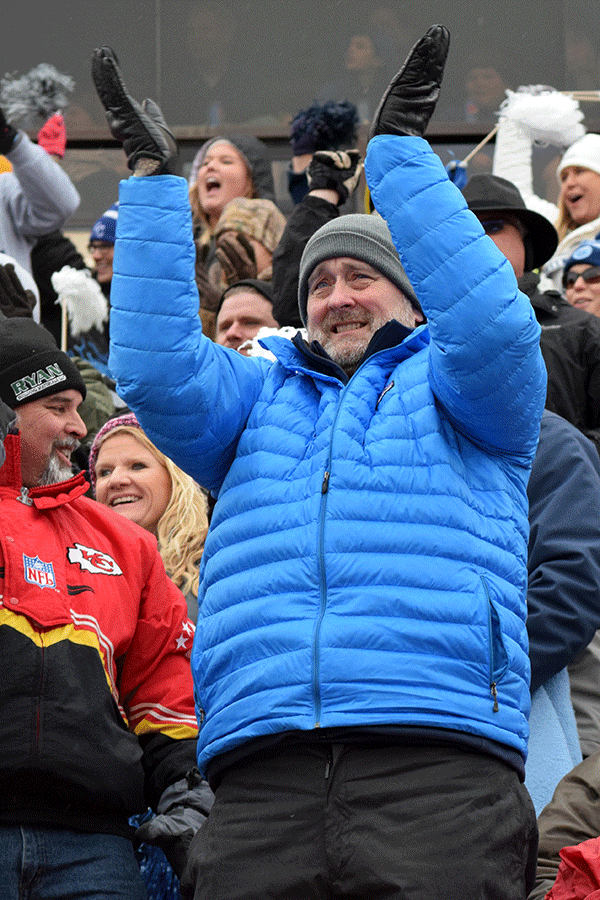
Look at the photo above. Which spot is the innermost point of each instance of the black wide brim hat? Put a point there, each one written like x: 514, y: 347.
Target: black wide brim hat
x: 490, y: 193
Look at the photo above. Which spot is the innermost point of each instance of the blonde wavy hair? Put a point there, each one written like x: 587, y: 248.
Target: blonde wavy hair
x: 564, y: 224
x: 182, y: 528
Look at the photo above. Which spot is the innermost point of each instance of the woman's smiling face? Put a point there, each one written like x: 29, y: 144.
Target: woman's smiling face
x: 131, y: 480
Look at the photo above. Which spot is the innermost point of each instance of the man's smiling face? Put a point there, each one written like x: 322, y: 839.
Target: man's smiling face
x: 50, y: 431
x: 348, y: 301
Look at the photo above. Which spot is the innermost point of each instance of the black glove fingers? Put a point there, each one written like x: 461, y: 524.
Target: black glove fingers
x: 108, y: 80
x: 141, y: 130
x: 425, y: 63
x: 14, y: 299
x: 409, y: 101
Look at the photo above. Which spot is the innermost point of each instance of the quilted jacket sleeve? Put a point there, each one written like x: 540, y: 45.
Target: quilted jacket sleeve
x: 191, y: 396
x: 486, y: 367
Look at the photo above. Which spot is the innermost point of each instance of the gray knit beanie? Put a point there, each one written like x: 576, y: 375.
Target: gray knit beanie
x: 358, y: 236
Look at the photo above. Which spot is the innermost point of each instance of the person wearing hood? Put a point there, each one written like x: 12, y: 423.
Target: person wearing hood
x: 236, y: 222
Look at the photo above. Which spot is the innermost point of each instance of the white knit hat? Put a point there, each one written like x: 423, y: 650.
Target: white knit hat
x: 585, y: 152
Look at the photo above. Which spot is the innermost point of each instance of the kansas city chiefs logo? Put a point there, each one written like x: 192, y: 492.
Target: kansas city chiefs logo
x: 91, y: 560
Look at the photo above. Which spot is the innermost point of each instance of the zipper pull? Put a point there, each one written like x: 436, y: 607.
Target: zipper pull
x: 25, y: 498
x: 325, y: 484
x: 495, y: 696
x: 387, y: 388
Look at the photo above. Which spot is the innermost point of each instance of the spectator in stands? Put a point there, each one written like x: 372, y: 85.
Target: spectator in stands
x: 577, y: 216
x: 335, y: 641
x: 110, y: 725
x: 131, y: 476
x: 581, y: 277
x: 245, y: 308
x: 236, y: 222
x: 570, y: 338
x: 36, y: 197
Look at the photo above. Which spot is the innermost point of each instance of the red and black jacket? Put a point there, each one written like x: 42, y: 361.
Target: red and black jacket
x: 96, y: 693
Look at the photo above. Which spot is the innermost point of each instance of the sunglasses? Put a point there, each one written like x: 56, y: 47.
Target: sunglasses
x: 590, y: 276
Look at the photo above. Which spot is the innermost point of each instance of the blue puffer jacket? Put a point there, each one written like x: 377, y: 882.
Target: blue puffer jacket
x: 366, y: 562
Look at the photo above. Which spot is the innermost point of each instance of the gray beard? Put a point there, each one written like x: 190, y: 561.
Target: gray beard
x: 55, y: 471
x: 349, y: 360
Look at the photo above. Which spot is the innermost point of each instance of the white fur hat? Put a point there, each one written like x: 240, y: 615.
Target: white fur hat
x: 585, y: 152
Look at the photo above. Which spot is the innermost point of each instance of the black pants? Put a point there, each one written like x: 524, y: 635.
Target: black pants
x: 318, y: 821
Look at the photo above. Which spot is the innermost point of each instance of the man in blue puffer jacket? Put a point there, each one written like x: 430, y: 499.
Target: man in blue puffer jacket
x: 360, y: 659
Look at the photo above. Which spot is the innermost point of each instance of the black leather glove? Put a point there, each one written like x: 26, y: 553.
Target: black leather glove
x: 141, y: 129
x: 14, y: 299
x: 7, y: 134
x: 409, y: 101
x: 335, y: 170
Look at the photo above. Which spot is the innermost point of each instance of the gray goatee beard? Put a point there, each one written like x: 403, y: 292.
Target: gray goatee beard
x: 56, y: 471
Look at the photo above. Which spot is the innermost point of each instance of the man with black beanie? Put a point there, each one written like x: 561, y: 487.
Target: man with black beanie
x: 96, y: 694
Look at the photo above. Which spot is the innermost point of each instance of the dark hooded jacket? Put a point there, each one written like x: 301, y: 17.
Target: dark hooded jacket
x: 570, y: 345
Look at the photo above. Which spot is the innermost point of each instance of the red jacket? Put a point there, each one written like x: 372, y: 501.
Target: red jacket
x: 96, y: 692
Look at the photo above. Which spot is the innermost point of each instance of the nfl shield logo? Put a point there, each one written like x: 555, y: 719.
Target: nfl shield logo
x: 38, y: 572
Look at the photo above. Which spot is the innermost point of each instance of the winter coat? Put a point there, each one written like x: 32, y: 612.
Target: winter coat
x: 366, y: 561
x: 564, y: 548
x: 96, y: 693
x: 570, y: 345
x: 37, y: 197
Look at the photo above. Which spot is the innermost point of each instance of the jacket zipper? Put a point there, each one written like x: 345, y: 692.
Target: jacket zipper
x: 321, y: 567
x: 493, y: 683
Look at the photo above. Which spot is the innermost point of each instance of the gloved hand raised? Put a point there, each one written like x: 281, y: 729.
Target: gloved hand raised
x: 141, y: 129
x: 15, y: 300
x: 236, y: 256
x: 335, y: 170
x: 409, y: 101
x: 182, y: 809
x: 7, y: 134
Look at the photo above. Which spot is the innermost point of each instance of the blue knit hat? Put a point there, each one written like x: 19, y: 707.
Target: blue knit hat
x: 586, y: 252
x: 104, y: 229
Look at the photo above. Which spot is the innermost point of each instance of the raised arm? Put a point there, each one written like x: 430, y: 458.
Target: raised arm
x: 38, y: 194
x: 486, y: 366
x: 191, y: 396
